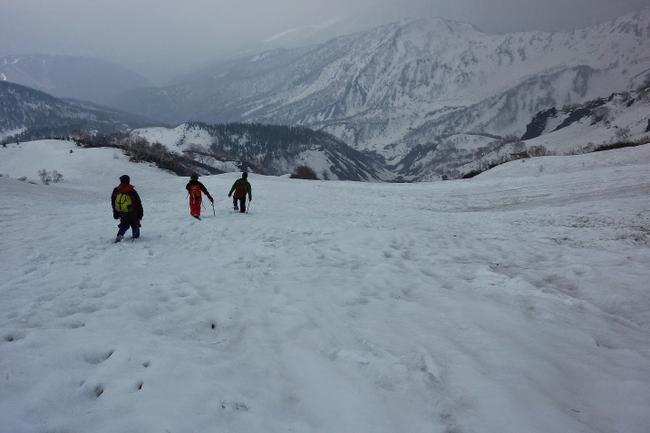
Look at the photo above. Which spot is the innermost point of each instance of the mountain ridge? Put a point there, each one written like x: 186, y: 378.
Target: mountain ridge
x: 77, y: 77
x: 26, y: 113
x: 374, y: 88
x: 266, y: 149
x: 422, y: 96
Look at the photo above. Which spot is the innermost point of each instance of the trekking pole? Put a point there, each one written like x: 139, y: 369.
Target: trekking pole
x: 213, y: 211
x: 249, y: 205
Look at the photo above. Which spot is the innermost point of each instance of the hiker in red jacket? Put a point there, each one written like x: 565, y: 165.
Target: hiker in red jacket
x: 194, y: 189
x: 127, y: 207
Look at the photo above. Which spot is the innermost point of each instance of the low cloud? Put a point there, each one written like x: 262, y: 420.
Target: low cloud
x: 162, y: 37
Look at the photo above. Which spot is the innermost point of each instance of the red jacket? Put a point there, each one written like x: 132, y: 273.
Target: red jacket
x: 203, y: 188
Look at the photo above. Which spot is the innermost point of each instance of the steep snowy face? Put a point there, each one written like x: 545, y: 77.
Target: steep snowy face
x: 394, y: 87
x: 407, y: 83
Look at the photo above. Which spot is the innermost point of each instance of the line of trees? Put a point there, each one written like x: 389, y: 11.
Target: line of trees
x: 138, y: 149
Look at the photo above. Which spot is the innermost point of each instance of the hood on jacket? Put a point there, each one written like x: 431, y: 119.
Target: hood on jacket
x: 125, y: 187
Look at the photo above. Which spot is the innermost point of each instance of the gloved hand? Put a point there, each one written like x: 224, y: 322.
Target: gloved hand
x: 211, y: 200
x: 229, y: 194
x: 116, y: 216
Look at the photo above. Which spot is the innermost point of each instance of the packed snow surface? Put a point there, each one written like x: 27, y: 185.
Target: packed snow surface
x: 517, y: 301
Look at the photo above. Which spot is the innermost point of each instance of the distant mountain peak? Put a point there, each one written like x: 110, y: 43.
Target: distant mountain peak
x: 78, y: 77
x: 392, y: 88
x: 34, y: 113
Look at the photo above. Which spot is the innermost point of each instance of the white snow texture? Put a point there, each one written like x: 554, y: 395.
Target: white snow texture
x: 516, y: 301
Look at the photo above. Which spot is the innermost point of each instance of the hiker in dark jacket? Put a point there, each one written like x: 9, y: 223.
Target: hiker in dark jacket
x: 194, y: 189
x: 127, y: 207
x: 240, y: 188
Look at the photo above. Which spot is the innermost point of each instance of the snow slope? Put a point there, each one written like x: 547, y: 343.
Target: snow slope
x: 513, y: 302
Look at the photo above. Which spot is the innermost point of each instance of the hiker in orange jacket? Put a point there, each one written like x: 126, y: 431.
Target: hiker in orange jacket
x: 194, y: 189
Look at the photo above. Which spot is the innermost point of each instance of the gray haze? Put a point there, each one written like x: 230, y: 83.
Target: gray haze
x: 161, y: 38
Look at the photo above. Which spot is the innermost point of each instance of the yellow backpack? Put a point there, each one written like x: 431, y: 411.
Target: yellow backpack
x: 123, y: 202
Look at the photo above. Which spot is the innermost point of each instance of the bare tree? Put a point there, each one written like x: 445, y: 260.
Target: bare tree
x: 304, y: 172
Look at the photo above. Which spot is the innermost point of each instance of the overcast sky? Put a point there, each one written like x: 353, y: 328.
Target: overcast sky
x: 160, y: 37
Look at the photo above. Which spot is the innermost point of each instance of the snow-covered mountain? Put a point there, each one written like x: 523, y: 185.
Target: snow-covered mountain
x: 395, y: 87
x: 618, y: 120
x: 76, y: 77
x: 28, y: 113
x: 266, y: 149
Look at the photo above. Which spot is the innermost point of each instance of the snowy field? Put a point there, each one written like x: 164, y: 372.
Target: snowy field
x: 517, y: 301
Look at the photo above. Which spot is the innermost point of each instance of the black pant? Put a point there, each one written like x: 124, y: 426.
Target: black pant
x: 242, y: 203
x: 129, y: 219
